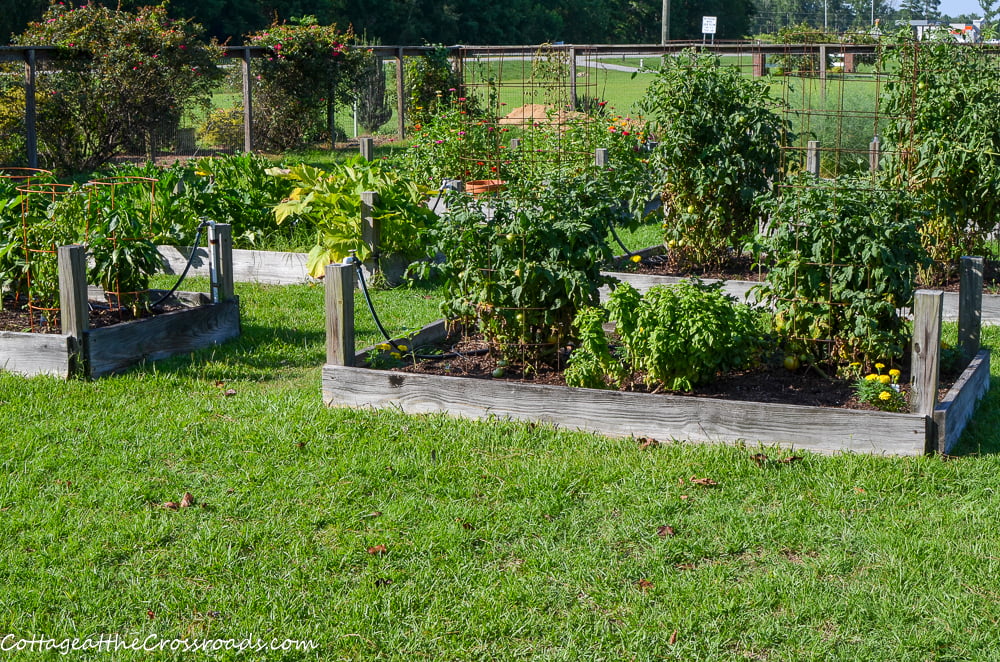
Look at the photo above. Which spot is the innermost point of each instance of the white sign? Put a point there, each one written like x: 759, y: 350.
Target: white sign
x: 708, y: 24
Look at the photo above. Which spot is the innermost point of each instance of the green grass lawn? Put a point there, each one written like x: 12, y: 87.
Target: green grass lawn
x: 502, y: 541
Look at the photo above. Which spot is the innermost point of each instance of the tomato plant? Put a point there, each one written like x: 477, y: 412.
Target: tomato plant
x: 719, y: 147
x: 844, y: 259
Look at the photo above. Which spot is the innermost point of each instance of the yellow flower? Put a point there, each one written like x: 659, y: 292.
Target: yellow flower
x: 894, y: 372
x: 382, y: 345
x: 395, y: 355
x: 885, y: 395
x: 855, y: 364
x: 402, y: 348
x: 872, y: 377
x: 885, y: 379
x: 879, y: 366
x: 636, y: 258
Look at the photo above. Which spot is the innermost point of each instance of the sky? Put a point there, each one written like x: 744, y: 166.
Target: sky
x: 956, y: 7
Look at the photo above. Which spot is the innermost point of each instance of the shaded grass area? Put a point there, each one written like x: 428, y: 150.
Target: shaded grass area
x: 502, y: 541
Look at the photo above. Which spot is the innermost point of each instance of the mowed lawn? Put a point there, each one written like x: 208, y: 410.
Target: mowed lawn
x: 379, y: 536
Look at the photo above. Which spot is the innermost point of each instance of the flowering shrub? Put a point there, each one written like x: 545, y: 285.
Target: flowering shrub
x: 119, y: 76
x: 456, y: 144
x: 313, y: 67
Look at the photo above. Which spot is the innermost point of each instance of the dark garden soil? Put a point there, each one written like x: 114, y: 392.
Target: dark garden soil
x: 769, y: 382
x: 743, y: 268
x: 15, y: 316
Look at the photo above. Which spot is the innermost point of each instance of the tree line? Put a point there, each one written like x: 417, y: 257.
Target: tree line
x: 415, y: 22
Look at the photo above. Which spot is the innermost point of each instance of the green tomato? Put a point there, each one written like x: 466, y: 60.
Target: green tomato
x: 792, y: 363
x: 498, y: 373
x: 691, y: 209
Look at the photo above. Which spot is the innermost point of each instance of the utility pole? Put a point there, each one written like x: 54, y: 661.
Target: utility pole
x: 665, y: 23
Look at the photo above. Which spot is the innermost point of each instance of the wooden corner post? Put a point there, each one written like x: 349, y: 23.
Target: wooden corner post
x: 73, y: 308
x: 220, y: 241
x: 812, y: 157
x: 970, y: 305
x: 339, y: 290
x: 371, y: 229
x: 925, y: 360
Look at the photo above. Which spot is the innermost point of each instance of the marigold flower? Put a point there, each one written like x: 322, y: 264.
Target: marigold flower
x: 872, y: 377
x: 894, y: 372
x: 885, y: 379
x: 879, y: 366
x: 884, y: 395
x: 636, y: 258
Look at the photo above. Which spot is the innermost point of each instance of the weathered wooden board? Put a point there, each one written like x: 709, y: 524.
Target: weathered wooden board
x: 616, y: 413
x: 115, y: 348
x: 642, y: 282
x: 248, y: 266
x: 955, y: 411
x: 268, y: 267
x: 37, y: 353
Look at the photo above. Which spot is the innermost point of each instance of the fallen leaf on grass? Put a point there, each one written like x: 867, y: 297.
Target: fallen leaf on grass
x: 790, y: 459
x: 230, y: 392
x: 760, y: 459
x: 685, y: 566
x: 664, y: 531
x: 647, y: 443
x: 374, y: 513
x: 187, y: 500
x: 684, y: 497
x: 382, y: 581
x: 172, y: 505
x: 673, y: 637
x: 704, y: 482
x: 151, y: 614
x: 377, y: 550
x: 644, y: 585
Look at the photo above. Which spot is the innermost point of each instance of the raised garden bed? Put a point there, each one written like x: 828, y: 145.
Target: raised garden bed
x: 200, y: 320
x: 936, y: 426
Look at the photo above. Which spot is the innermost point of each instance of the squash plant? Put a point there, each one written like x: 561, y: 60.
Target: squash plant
x: 331, y: 200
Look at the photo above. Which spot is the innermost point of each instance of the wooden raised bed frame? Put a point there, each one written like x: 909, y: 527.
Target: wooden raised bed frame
x: 935, y: 427
x: 79, y: 350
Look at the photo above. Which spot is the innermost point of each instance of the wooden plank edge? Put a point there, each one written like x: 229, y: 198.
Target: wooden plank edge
x: 209, y: 325
x: 427, y: 335
x: 953, y: 413
x: 57, y: 354
x: 622, y: 414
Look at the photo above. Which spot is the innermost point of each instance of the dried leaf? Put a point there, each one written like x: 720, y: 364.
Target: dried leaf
x: 374, y: 513
x: 377, y: 550
x: 229, y: 392
x: 790, y: 459
x: 187, y: 500
x: 219, y: 383
x: 684, y: 497
x: 760, y: 459
x: 673, y: 638
x: 151, y: 614
x: 685, y: 566
x: 644, y: 585
x: 382, y: 581
x: 646, y: 443
x: 173, y: 505
x: 704, y: 482
x: 665, y: 531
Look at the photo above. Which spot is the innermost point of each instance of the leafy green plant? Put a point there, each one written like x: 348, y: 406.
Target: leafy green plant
x: 943, y: 138
x: 430, y: 84
x: 843, y: 262
x: 331, y: 201
x: 682, y: 335
x: 222, y: 127
x: 55, y: 215
x: 719, y: 147
x: 522, y: 271
x: 591, y: 364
